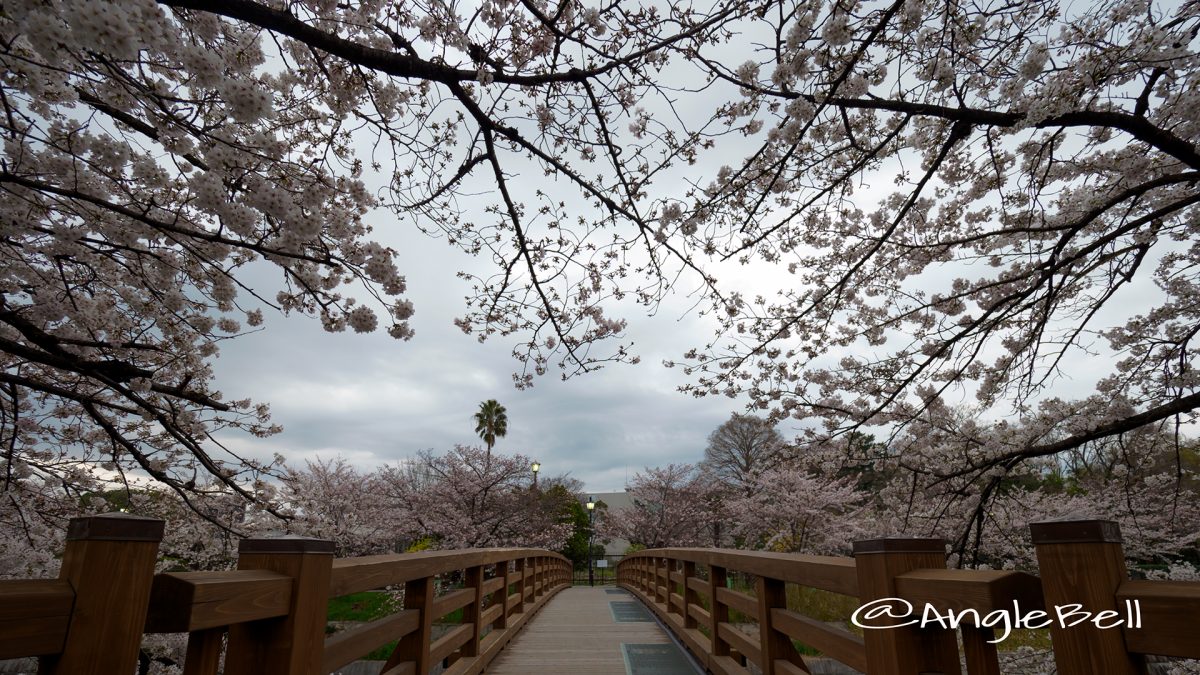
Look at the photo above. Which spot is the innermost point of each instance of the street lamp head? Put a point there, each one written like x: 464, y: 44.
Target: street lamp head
x: 591, y: 503
x: 536, y: 466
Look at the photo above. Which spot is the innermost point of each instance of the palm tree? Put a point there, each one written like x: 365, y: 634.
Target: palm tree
x: 491, y: 422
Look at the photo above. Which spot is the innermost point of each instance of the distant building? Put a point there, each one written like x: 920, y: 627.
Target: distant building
x: 614, y: 501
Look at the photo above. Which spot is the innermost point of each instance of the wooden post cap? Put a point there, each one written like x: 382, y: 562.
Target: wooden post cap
x: 288, y: 543
x: 901, y: 545
x: 115, y: 527
x: 1075, y: 532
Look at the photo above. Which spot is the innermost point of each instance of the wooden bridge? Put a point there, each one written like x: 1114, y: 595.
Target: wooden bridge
x: 520, y: 614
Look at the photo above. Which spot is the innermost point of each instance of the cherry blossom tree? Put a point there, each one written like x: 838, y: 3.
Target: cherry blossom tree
x: 672, y: 506
x: 966, y: 196
x: 33, y: 520
x: 1138, y: 483
x: 790, y: 509
x: 330, y: 499
x: 972, y: 199
x: 153, y: 151
x: 149, y: 157
x: 469, y: 498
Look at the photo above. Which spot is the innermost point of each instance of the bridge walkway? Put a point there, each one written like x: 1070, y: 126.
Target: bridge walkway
x: 593, y: 631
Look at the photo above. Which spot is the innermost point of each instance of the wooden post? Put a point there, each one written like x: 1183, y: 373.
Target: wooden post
x: 501, y: 597
x: 292, y: 644
x: 520, y: 571
x: 669, y: 565
x: 1082, y: 562
x: 776, y: 646
x: 473, y: 612
x: 690, y: 597
x: 204, y: 652
x: 717, y: 579
x: 659, y: 564
x: 979, y: 651
x: 906, y: 650
x: 418, y: 595
x: 109, y: 563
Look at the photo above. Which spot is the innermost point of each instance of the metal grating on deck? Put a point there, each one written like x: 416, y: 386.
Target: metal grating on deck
x: 655, y: 659
x: 628, y: 611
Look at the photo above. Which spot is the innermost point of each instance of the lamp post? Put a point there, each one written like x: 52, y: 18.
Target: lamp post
x: 536, y: 466
x: 591, y: 509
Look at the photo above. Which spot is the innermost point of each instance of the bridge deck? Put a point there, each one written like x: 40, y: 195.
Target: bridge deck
x: 592, y: 631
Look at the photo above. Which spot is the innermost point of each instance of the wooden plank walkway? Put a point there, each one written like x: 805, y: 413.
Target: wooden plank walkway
x: 576, y: 633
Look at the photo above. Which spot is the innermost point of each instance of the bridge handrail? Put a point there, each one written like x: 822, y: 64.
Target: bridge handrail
x: 1080, y: 562
x: 273, y: 608
x: 353, y: 575
x: 827, y: 573
x: 666, y: 580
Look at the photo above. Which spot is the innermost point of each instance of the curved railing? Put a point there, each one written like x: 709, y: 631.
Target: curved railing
x: 688, y: 590
x: 1081, y: 565
x: 268, y: 616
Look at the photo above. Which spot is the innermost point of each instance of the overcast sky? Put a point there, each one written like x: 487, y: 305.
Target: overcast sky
x: 373, y: 399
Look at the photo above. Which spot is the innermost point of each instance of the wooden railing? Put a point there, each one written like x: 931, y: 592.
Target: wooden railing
x: 268, y: 616
x: 1080, y: 562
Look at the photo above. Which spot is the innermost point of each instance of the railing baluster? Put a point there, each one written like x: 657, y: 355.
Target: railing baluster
x: 717, y: 578
x: 670, y: 568
x: 473, y: 612
x: 1083, y: 562
x: 500, y: 597
x: 204, y: 652
x: 659, y: 565
x: 690, y: 597
x: 772, y: 594
x: 979, y: 654
x: 521, y: 570
x: 293, y: 644
x: 418, y: 595
x: 109, y: 562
